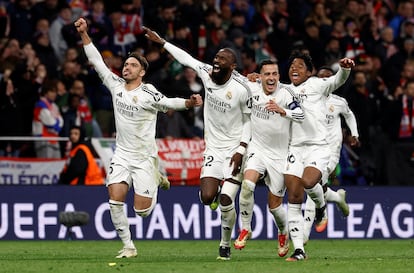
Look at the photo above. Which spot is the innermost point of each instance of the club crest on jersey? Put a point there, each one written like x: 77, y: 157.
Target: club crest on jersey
x: 135, y: 99
x: 229, y: 95
x: 302, y: 96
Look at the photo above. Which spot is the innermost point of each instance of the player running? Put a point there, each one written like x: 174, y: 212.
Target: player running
x: 273, y: 110
x: 335, y: 107
x: 227, y: 131
x: 309, y: 150
x: 135, y: 160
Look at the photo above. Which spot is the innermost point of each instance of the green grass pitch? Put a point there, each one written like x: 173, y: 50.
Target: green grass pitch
x: 328, y: 256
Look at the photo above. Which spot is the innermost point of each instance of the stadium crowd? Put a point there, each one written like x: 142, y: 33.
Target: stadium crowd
x: 41, y: 56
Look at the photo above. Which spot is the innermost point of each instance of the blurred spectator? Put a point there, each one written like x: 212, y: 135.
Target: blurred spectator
x: 88, y: 123
x: 355, y: 10
x: 319, y: 15
x: 351, y: 43
x: 338, y: 28
x: 332, y: 53
x: 407, y: 31
x: 183, y: 38
x: 81, y: 167
x: 126, y: 29
x: 172, y: 125
x: 405, y: 10
x: 10, y: 54
x: 47, y: 9
x: 71, y: 117
x: 79, y: 7
x: 163, y: 21
x: 11, y: 118
x: 237, y: 41
x: 248, y: 57
x: 395, y: 64
x: 281, y: 42
x: 238, y: 22
x: 370, y: 35
x: 57, y: 41
x: 188, y: 84
x: 385, y: 47
x: 21, y: 23
x: 47, y: 122
x: 70, y: 71
x: 4, y: 21
x: 100, y: 25
x: 41, y: 44
x: 264, y: 17
x: 245, y: 8
x: 399, y: 121
x: 314, y: 42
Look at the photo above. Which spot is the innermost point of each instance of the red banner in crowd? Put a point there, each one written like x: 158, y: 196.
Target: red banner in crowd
x: 181, y: 159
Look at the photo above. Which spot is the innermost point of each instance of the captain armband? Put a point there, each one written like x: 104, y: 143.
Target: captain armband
x: 293, y: 105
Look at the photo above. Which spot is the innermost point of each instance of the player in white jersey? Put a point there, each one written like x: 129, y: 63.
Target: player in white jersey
x: 226, y: 131
x: 335, y: 107
x: 308, y: 150
x: 273, y: 109
x: 135, y: 160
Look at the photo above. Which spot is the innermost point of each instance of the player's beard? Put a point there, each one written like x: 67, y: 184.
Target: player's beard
x: 221, y: 76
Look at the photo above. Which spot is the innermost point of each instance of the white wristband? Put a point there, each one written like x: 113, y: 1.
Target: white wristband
x: 241, y: 150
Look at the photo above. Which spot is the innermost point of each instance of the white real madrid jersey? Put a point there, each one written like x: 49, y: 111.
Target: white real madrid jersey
x: 135, y: 110
x: 270, y: 131
x: 312, y: 95
x: 224, y: 105
x: 336, y: 106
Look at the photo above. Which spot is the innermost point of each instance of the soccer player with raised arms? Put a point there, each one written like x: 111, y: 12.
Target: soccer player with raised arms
x: 309, y: 151
x: 227, y: 131
x: 135, y: 160
x: 335, y: 107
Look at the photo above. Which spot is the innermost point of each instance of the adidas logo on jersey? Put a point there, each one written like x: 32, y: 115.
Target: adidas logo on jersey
x: 146, y: 192
x: 119, y: 95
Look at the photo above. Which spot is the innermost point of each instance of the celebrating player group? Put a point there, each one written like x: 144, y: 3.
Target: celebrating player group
x: 255, y: 127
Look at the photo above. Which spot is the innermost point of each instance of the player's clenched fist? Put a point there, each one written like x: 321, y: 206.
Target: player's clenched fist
x: 81, y: 25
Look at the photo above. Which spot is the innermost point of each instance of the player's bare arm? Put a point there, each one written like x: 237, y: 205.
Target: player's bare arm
x: 237, y: 159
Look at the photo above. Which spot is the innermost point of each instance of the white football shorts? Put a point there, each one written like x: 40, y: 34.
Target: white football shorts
x: 216, y: 164
x: 142, y: 174
x: 300, y: 157
x: 271, y: 168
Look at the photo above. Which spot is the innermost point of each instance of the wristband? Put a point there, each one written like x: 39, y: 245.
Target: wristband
x: 241, y: 150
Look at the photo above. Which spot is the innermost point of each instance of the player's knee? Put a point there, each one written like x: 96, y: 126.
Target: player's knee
x: 143, y: 212
x: 206, y: 198
x: 225, y: 200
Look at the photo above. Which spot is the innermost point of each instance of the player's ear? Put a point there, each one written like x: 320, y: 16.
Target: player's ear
x: 142, y: 73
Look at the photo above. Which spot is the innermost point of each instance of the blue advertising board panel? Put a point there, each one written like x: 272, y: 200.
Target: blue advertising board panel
x: 32, y: 213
